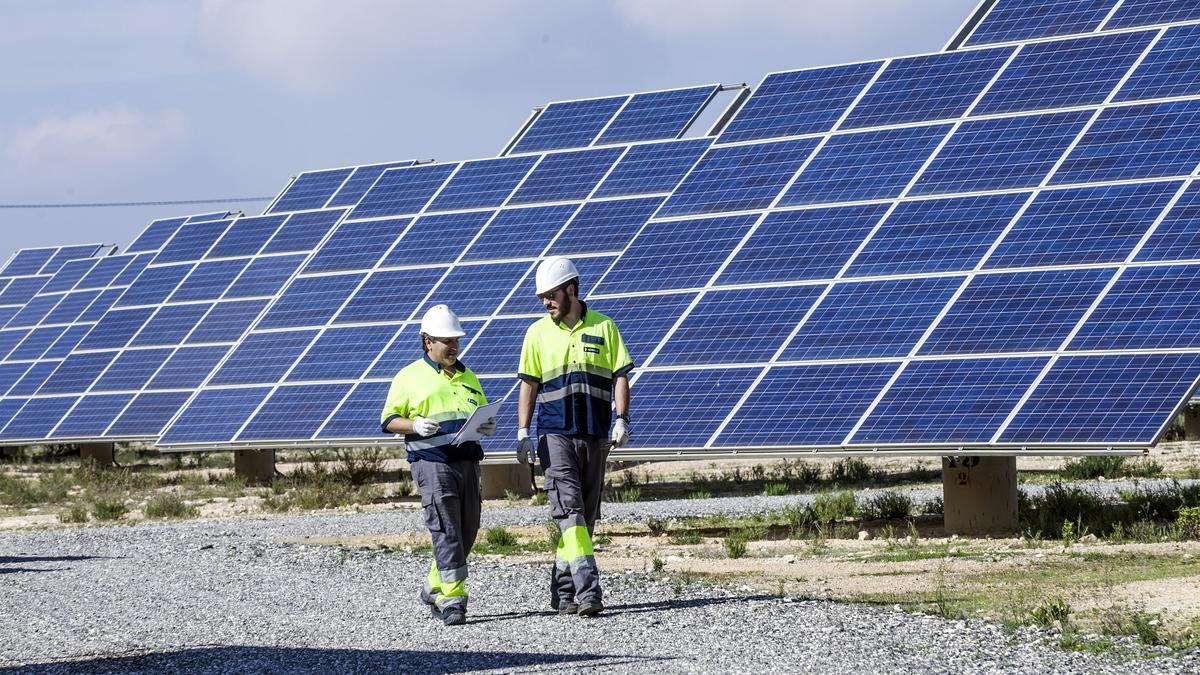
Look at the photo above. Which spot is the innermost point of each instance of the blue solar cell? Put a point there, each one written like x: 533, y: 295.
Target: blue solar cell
x: 657, y: 115
x: 863, y: 166
x: 570, y: 124
x: 264, y: 276
x: 405, y: 347
x: 520, y: 233
x: 525, y: 301
x: 1148, y: 12
x: 342, y: 353
x: 806, y: 405
x: 170, y: 325
x: 37, y: 418
x: 105, y: 271
x: 303, y: 231
x: 1112, y: 398
x: 451, y: 231
x: 357, y: 245
x: 67, y: 254
x: 738, y: 326
x: 1142, y: 141
x: 482, y: 183
x: 955, y: 401
x: 1148, y: 308
x: 387, y: 296
x: 191, y: 242
x: 1083, y: 225
x: 653, y: 167
x: 216, y: 215
x: 357, y: 185
x: 7, y: 313
x: 155, y: 235
x: 66, y: 342
x: 33, y: 379
x: 644, y: 320
x: 132, y: 370
x: 77, y: 372
x: 605, y: 226
x: 28, y: 261
x: 566, y: 176
x: 263, y: 357
x: 1171, y: 69
x: 672, y: 255
x: 103, y: 302
x: 683, y: 408
x: 1021, y: 312
x: 187, y: 368
x: 477, y: 290
x: 34, y: 311
x: 215, y: 415
x: 738, y: 178
x: 1064, y: 73
x: 294, y: 412
x: 116, y: 328
x: 209, y: 280
x: 36, y: 343
x: 91, y: 416
x: 497, y: 348
x: 133, y: 269
x: 147, y: 414
x: 358, y: 415
x: 1011, y: 20
x: 874, y: 319
x: 154, y: 285
x: 69, y: 274
x: 938, y: 86
x: 311, y: 190
x: 246, y: 236
x: 402, y: 191
x: 9, y: 374
x: 799, y: 102
x: 20, y: 291
x: 937, y: 235
x: 1177, y: 237
x: 227, y: 321
x: 310, y: 301
x: 1001, y: 153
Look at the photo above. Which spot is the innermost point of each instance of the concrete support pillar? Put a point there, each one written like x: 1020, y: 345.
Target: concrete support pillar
x: 256, y: 466
x: 980, y: 495
x: 499, y: 479
x: 1191, y: 423
x: 103, y: 454
x: 9, y: 452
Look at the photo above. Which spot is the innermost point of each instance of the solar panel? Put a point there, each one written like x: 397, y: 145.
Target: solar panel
x: 657, y: 115
x: 570, y: 124
x: 1013, y: 20
x: 1171, y: 69
x: 1148, y: 12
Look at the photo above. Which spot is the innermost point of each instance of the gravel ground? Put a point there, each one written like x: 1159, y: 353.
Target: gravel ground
x: 222, y: 596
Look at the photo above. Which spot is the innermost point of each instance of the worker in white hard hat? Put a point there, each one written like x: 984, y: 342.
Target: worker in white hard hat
x: 429, y: 402
x: 574, y: 363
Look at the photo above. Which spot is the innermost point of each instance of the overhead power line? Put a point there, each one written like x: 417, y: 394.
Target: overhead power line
x: 88, y: 205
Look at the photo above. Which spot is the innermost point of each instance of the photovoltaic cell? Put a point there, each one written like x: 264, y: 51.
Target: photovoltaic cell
x: 1146, y: 12
x: 799, y: 102
x: 217, y: 414
x: 570, y: 124
x: 520, y: 233
x: 263, y: 357
x: 358, y: 415
x: 191, y: 242
x: 226, y: 321
x: 188, y: 367
x: 1141, y: 141
x: 1018, y: 312
x: 566, y: 176
x: 657, y: 115
x: 496, y: 349
x: 738, y: 178
x: 357, y: 245
x: 296, y: 411
x: 91, y: 416
x: 675, y: 255
x: 683, y: 408
x: 310, y: 301
x: 864, y: 166
x: 477, y: 290
x: 652, y: 168
x: 402, y: 191
x: 1012, y: 20
x: 342, y: 353
x: 1171, y: 69
x: 1081, y: 71
x: 246, y: 236
x: 451, y: 231
x: 385, y: 296
x: 643, y: 320
x: 605, y: 226
x: 311, y: 190
x: 147, y: 414
x: 483, y: 183
x: 1177, y: 237
x: 360, y: 181
x: 303, y: 231
x: 924, y: 88
x: 1148, y: 308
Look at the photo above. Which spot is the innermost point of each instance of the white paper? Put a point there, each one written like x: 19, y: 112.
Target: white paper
x: 470, y: 430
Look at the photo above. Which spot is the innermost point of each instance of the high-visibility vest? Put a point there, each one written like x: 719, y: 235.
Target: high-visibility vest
x: 420, y: 389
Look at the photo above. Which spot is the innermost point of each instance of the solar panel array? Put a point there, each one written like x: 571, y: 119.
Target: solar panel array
x: 992, y: 247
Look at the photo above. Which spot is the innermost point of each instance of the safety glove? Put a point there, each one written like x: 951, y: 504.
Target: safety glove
x: 424, y: 427
x: 620, y: 432
x: 526, y: 451
x: 489, y: 427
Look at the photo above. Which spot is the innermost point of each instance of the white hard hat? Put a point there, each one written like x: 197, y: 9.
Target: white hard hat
x: 554, y: 272
x: 440, y: 321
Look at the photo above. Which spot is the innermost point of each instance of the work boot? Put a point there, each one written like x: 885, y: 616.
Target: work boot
x: 434, y: 612
x: 590, y: 607
x: 454, y: 617
x: 568, y: 607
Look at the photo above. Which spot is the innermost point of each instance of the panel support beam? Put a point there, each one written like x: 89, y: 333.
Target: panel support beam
x: 100, y: 454
x: 980, y: 495
x: 500, y: 480
x: 256, y: 466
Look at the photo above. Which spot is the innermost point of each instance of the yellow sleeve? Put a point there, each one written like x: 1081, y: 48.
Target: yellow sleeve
x: 397, y: 403
x: 622, y: 363
x: 530, y: 367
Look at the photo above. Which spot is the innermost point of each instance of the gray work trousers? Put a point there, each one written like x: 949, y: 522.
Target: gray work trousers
x: 574, y: 469
x: 451, y: 498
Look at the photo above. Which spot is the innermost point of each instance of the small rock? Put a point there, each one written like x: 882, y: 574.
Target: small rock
x: 863, y: 535
x: 205, y: 547
x: 1088, y: 539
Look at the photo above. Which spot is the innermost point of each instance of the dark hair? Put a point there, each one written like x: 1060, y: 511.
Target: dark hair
x: 423, y: 347
x: 574, y: 281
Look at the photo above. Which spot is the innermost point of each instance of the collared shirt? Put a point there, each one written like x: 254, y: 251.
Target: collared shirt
x: 421, y: 389
x: 575, y: 367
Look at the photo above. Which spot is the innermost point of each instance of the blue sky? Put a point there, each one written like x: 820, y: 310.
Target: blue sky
x: 141, y: 100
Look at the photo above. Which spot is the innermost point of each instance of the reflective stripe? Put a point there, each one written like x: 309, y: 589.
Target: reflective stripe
x: 551, y: 373
x: 572, y: 520
x: 435, y: 441
x: 459, y: 574
x: 446, y: 589
x: 575, y: 388
x: 574, y: 543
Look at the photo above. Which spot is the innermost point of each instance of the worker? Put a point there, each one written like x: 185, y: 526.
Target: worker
x: 429, y: 401
x: 574, y: 363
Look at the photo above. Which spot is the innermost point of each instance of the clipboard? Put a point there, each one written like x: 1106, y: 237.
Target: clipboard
x: 470, y: 430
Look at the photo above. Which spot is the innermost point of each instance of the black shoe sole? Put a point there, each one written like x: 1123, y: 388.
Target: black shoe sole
x: 455, y: 619
x: 590, y: 611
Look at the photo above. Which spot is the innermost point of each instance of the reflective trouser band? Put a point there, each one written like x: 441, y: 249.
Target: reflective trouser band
x: 575, y: 542
x: 448, y: 587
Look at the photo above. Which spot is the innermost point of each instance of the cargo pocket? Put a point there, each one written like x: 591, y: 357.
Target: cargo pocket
x: 552, y: 496
x: 433, y: 520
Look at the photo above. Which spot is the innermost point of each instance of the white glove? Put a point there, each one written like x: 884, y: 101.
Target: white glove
x: 526, y: 451
x: 620, y: 433
x: 424, y: 427
x: 488, y: 428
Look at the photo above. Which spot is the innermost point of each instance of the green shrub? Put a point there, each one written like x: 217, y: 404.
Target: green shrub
x: 735, y: 545
x: 657, y: 564
x: 686, y: 539
x: 1043, y: 516
x: 277, y: 503
x: 1188, y: 522
x: 701, y: 494
x: 888, y: 505
x: 109, y: 509
x: 1093, y: 467
x: 500, y: 538
x: 834, y: 506
x: 850, y: 471
x: 170, y: 506
x: 75, y: 514
x: 1053, y: 610
x: 799, y: 517
x: 624, y: 495
x: 775, y: 489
